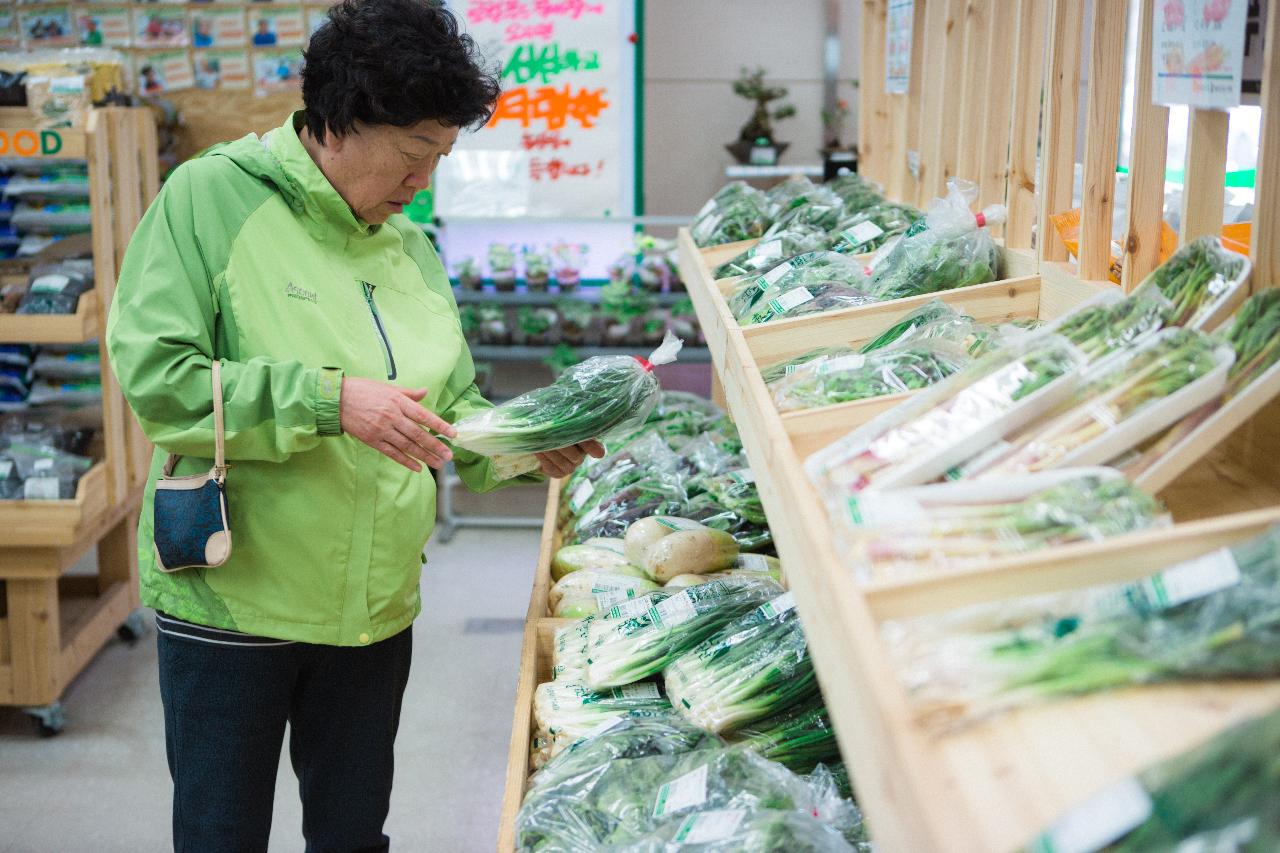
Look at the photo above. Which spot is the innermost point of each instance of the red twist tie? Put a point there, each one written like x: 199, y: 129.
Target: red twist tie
x: 644, y: 362
x: 982, y: 220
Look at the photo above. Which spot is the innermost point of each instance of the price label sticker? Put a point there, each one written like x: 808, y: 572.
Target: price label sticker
x: 605, y: 724
x: 1193, y: 579
x: 628, y: 609
x: 6, y: 468
x: 752, y: 562
x: 676, y: 610
x: 881, y: 509
x: 42, y: 465
x: 774, y: 275
x: 707, y: 827
x: 686, y: 792
x: 743, y: 476
x: 581, y: 495
x: 51, y: 283
x: 41, y: 489
x: 791, y: 299
x: 844, y: 362
x: 1106, y: 817
x: 863, y: 232
x: 706, y: 208
x: 645, y: 690
x: 784, y: 603
x: 678, y: 524
x: 768, y: 251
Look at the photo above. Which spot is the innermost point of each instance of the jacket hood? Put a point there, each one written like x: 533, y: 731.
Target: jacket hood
x: 279, y: 158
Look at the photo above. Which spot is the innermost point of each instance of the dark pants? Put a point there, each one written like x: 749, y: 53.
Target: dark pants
x: 225, y: 709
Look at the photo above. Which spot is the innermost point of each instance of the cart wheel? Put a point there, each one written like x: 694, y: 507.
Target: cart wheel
x: 132, y: 629
x: 445, y: 531
x: 49, y: 718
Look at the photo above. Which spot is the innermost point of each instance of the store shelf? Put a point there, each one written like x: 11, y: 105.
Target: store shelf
x: 550, y: 299
x: 55, y: 523
x: 76, y: 328
x: 779, y: 171
x: 485, y: 352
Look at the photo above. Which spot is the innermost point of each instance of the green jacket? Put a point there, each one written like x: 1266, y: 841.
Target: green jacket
x: 250, y: 256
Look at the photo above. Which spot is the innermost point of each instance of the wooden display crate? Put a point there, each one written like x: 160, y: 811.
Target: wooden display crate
x: 55, y: 523
x: 76, y: 328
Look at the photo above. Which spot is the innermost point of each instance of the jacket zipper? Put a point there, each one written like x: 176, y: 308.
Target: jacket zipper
x: 380, y: 329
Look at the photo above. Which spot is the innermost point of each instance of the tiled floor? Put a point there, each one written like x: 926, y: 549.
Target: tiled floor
x: 102, y: 785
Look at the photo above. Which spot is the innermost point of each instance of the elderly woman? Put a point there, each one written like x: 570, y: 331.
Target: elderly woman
x: 286, y: 259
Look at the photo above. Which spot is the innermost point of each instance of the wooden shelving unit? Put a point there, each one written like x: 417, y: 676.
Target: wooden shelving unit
x: 54, y: 624
x: 996, y: 785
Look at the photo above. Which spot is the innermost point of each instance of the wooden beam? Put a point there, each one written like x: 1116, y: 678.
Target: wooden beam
x: 873, y: 115
x: 1061, y: 105
x: 910, y: 183
x: 942, y: 101
x: 993, y: 154
x: 973, y: 88
x: 33, y: 634
x: 1265, y: 239
x: 1025, y: 123
x: 1203, y: 185
x: 1148, y: 150
x: 1102, y: 130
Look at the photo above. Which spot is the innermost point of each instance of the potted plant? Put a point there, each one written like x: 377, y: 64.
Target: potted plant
x: 502, y: 267
x: 653, y: 326
x: 469, y: 317
x: 577, y: 320
x: 656, y: 270
x: 620, y: 272
x: 535, y: 325
x: 469, y: 276
x: 756, y: 144
x: 568, y: 263
x: 537, y: 270
x: 833, y: 128
x: 684, y: 323
x: 493, y: 326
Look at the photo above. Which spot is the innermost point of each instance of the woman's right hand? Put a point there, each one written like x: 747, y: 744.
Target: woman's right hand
x: 392, y: 421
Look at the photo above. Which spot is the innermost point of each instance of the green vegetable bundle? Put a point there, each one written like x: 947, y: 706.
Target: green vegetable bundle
x: 744, y: 831
x: 1215, y: 617
x: 1254, y: 335
x: 856, y: 193
x: 1099, y: 330
x: 600, y: 397
x: 627, y: 650
x: 934, y: 319
x: 895, y: 538
x: 1198, y: 279
x: 811, y: 269
x: 941, y: 427
x: 755, y: 666
x: 815, y: 297
x: 870, y: 229
x: 1139, y: 386
x: 564, y: 712
x: 820, y: 209
x: 842, y: 379
x: 772, y: 251
x: 783, y: 369
x: 737, y: 212
x: 799, y: 737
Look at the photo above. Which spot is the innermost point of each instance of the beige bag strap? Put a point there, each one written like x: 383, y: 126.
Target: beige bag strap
x: 219, y: 432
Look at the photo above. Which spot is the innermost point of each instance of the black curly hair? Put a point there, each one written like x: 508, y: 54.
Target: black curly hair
x: 394, y: 62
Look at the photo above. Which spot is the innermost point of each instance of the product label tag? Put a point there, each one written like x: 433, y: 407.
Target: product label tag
x: 676, y: 610
x: 780, y: 605
x: 882, y: 509
x: 791, y: 299
x: 768, y: 251
x: 709, y: 226
x: 706, y: 208
x: 6, y: 468
x: 706, y: 827
x: 687, y: 791
x: 628, y: 609
x: 743, y: 476
x: 1106, y: 817
x: 644, y: 690
x: 844, y: 362
x: 752, y: 563
x: 678, y: 524
x: 606, y: 600
x: 863, y: 232
x: 1193, y: 579
x: 581, y: 495
x: 41, y: 489
x: 42, y: 465
x: 774, y: 275
x: 605, y: 724
x: 51, y: 283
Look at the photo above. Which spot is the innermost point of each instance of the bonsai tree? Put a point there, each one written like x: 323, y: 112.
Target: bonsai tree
x: 758, y: 131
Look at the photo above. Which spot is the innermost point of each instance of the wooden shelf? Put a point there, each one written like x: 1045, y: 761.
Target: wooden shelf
x: 55, y: 523
x: 76, y: 328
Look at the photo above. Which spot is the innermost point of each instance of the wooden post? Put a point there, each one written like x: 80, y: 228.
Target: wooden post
x: 993, y: 155
x: 942, y: 104
x: 1265, y: 240
x: 1148, y: 150
x: 118, y: 557
x: 873, y: 116
x: 1203, y: 190
x: 35, y: 650
x: 909, y: 184
x: 1058, y: 138
x: 973, y: 88
x: 1024, y: 123
x: 1106, y: 88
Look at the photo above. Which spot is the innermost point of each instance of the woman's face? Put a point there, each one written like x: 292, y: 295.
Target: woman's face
x: 378, y: 169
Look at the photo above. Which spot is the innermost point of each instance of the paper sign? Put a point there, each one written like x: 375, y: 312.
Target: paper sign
x: 1197, y: 53
x: 164, y: 72
x: 277, y: 27
x: 222, y: 69
x: 897, y: 46
x: 706, y: 827
x: 215, y: 27
x: 276, y: 71
x: 159, y: 27
x: 106, y: 27
x: 47, y: 26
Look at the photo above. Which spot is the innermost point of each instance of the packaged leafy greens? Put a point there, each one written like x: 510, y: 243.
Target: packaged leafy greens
x: 627, y: 650
x: 1212, y: 617
x: 753, y: 296
x: 737, y: 212
x: 949, y: 248
x: 800, y: 737
x: 950, y: 526
x: 856, y: 193
x: 598, y: 398
x: 820, y: 208
x: 813, y: 298
x: 752, y: 668
x: 1106, y: 325
x: 564, y: 711
x: 1198, y: 279
x: 949, y: 422
x: 855, y: 376
x: 934, y: 319
x: 772, y: 251
x: 870, y: 229
x: 743, y: 831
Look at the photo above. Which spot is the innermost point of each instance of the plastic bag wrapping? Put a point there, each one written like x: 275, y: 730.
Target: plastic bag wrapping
x: 949, y: 422
x: 910, y: 532
x: 742, y: 831
x: 821, y: 209
x: 564, y: 711
x: 868, y: 230
x: 1108, y: 323
x: 627, y: 650
x: 1199, y: 279
x: 812, y: 269
x: 736, y: 212
x: 712, y: 454
x: 597, y: 555
x: 57, y: 288
x: 598, y: 398
x: 800, y: 737
x: 1132, y: 398
x: 614, y: 789
x: 753, y: 667
x: 1213, y: 617
x: 772, y: 251
x: 644, y: 478
x: 857, y: 193
x: 813, y: 298
x: 736, y: 491
x: 949, y: 248
x: 843, y: 379
x: 588, y: 593
x: 934, y: 319
x: 33, y: 470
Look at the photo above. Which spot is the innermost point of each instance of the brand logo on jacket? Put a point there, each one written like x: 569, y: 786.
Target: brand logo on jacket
x: 295, y: 292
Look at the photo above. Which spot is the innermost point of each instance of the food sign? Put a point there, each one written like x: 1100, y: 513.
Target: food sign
x: 1198, y: 52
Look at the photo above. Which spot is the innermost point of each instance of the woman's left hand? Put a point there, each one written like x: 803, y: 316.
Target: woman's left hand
x: 562, y: 462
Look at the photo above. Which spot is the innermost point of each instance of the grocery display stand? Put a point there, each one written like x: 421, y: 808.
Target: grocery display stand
x: 995, y: 785
x: 52, y: 625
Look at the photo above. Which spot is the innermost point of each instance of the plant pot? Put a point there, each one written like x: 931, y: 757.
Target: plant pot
x: 504, y: 281
x: 567, y: 280
x: 470, y: 282
x: 650, y: 282
x: 495, y: 333
x: 741, y: 151
x: 537, y: 282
